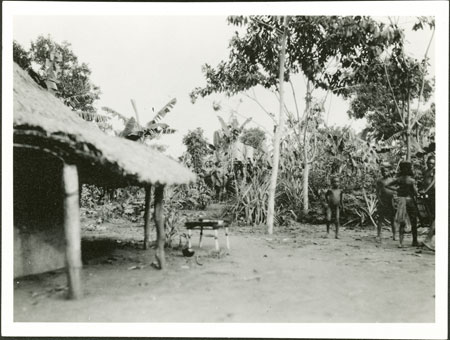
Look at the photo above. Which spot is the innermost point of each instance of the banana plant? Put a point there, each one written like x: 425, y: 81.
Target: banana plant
x: 230, y: 132
x: 135, y: 131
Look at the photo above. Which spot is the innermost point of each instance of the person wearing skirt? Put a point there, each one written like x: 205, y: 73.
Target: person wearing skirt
x: 406, y: 214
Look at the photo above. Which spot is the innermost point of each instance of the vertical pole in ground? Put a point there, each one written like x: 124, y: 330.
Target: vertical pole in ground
x: 201, y: 237
x: 189, y: 238
x: 72, y: 229
x: 160, y: 230
x: 147, y: 216
x: 216, y: 240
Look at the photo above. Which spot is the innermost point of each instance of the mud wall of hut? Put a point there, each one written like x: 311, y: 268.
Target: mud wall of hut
x: 39, y: 243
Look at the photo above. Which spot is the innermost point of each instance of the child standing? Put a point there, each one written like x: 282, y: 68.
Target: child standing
x: 334, y: 203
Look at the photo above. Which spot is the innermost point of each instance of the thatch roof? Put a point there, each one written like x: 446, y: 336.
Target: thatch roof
x: 42, y: 120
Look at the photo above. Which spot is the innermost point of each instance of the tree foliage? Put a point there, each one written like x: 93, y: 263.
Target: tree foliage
x: 21, y: 56
x: 326, y: 49
x: 197, y: 148
x: 387, y: 91
x: 388, y: 84
x: 59, y: 63
x: 254, y: 137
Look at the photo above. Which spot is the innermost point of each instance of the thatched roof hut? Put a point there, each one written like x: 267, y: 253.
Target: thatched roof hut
x: 54, y: 152
x: 42, y: 120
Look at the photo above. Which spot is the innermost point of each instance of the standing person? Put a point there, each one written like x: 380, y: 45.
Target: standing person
x: 219, y: 180
x: 406, y: 209
x: 334, y: 203
x: 428, y: 194
x: 385, y: 197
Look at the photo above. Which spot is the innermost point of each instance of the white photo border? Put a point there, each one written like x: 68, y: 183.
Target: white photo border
x: 438, y: 9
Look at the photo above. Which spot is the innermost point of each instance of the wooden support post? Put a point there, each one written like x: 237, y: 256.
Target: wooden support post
x: 80, y: 192
x: 201, y: 237
x: 189, y: 238
x: 160, y: 230
x: 147, y: 216
x: 226, y: 235
x: 216, y: 239
x: 72, y: 230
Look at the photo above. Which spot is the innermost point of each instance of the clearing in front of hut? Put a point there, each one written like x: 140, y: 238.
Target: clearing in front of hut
x: 296, y: 275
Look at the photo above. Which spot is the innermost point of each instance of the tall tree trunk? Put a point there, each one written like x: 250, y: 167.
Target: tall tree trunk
x: 278, y: 132
x: 408, y: 130
x: 305, y: 152
x: 305, y: 187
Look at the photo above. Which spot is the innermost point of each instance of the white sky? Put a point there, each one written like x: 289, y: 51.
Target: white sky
x: 155, y: 58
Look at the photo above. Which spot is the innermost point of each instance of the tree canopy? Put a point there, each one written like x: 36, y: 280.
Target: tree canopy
x: 21, y: 56
x: 328, y: 50
x: 388, y: 90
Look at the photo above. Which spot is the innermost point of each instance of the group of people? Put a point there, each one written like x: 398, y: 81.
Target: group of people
x: 402, y: 215
x: 407, y: 211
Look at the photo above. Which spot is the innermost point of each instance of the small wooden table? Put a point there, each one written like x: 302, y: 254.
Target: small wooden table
x: 208, y: 224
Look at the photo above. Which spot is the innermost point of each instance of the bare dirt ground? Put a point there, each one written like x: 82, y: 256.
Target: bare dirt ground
x: 295, y: 275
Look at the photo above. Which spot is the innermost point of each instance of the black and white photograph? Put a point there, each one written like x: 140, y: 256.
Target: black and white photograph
x: 225, y: 169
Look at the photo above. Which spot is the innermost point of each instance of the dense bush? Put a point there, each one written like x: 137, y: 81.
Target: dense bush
x: 254, y: 137
x: 197, y: 148
x: 106, y: 204
x: 249, y: 201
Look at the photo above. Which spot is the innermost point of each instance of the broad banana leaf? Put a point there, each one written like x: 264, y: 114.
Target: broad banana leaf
x: 162, y: 113
x: 225, y: 128
x: 169, y: 131
x: 159, y: 128
x: 245, y: 123
x: 155, y: 126
x: 234, y: 123
x: 217, y: 139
